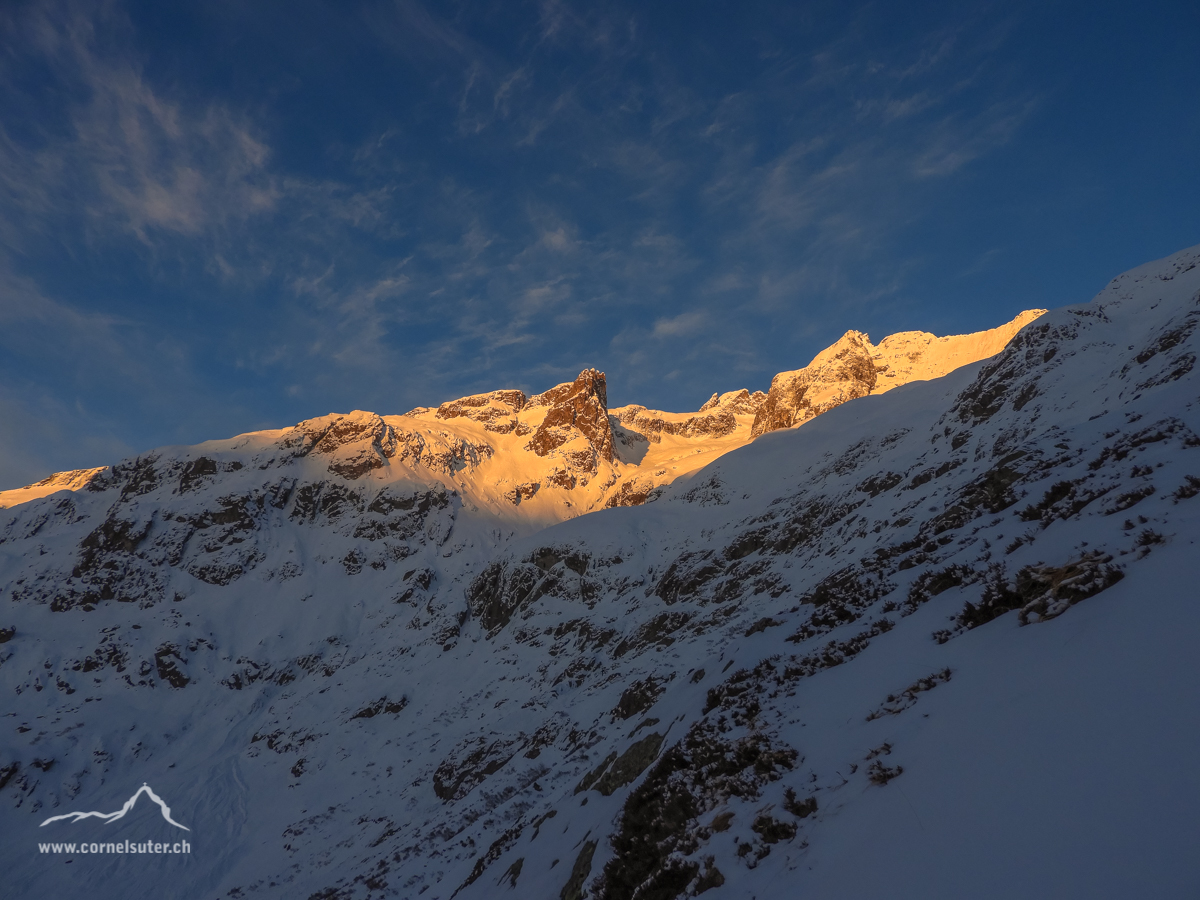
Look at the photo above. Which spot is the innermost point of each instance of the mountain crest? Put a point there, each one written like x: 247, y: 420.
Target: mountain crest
x: 854, y: 367
x: 497, y: 410
x: 555, y: 454
x: 842, y: 372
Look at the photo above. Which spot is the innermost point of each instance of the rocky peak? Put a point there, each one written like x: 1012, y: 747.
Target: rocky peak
x: 738, y: 402
x: 496, y: 409
x: 575, y: 408
x: 735, y: 401
x: 854, y: 367
x: 842, y: 372
x: 355, y: 443
x: 588, y: 382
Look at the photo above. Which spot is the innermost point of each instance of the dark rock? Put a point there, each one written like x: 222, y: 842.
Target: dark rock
x: 167, y: 660
x: 469, y: 765
x: 194, y: 471
x: 578, y: 408
x: 381, y: 706
x: 658, y: 825
x: 638, y: 697
x: 629, y: 765
x: 573, y: 889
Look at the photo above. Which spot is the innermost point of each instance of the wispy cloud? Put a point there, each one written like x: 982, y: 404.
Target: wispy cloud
x: 545, y: 188
x: 682, y: 325
x: 122, y: 153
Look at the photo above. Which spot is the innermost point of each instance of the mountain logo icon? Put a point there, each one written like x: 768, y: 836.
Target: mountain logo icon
x: 113, y: 816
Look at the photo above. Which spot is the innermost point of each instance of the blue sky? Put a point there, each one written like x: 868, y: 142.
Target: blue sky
x: 219, y: 217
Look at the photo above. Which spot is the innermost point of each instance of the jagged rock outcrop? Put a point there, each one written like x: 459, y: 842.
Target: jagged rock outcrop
x: 354, y: 444
x: 845, y: 371
x: 632, y: 492
x: 575, y: 428
x: 736, y: 401
x: 580, y: 406
x: 497, y: 410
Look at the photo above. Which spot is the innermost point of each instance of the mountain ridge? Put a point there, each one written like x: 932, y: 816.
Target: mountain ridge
x: 588, y: 455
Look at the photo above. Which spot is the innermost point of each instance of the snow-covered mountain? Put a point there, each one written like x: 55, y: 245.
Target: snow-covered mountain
x: 935, y: 643
x: 555, y: 455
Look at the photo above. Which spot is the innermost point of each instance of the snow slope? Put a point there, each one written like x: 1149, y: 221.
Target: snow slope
x: 59, y: 481
x: 934, y: 643
x: 918, y: 356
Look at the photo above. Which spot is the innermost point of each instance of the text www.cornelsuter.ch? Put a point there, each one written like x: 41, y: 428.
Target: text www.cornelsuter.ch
x: 118, y: 847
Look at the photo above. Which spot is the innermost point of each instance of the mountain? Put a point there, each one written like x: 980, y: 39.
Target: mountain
x: 556, y: 454
x: 934, y: 642
x: 854, y: 367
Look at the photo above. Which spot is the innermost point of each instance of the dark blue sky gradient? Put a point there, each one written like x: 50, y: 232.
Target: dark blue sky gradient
x: 221, y: 217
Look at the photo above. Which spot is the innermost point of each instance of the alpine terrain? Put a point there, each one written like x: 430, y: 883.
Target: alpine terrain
x: 916, y: 622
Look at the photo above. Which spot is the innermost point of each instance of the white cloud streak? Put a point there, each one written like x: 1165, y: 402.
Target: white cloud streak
x: 131, y: 158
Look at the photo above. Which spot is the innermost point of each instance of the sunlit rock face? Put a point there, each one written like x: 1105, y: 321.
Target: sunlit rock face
x: 839, y: 373
x: 353, y: 445
x: 59, y: 481
x: 497, y: 410
x: 918, y: 356
x: 574, y: 410
x: 574, y: 430
x: 717, y: 418
x: 854, y: 367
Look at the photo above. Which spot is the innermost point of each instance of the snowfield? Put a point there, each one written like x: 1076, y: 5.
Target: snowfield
x: 936, y: 642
